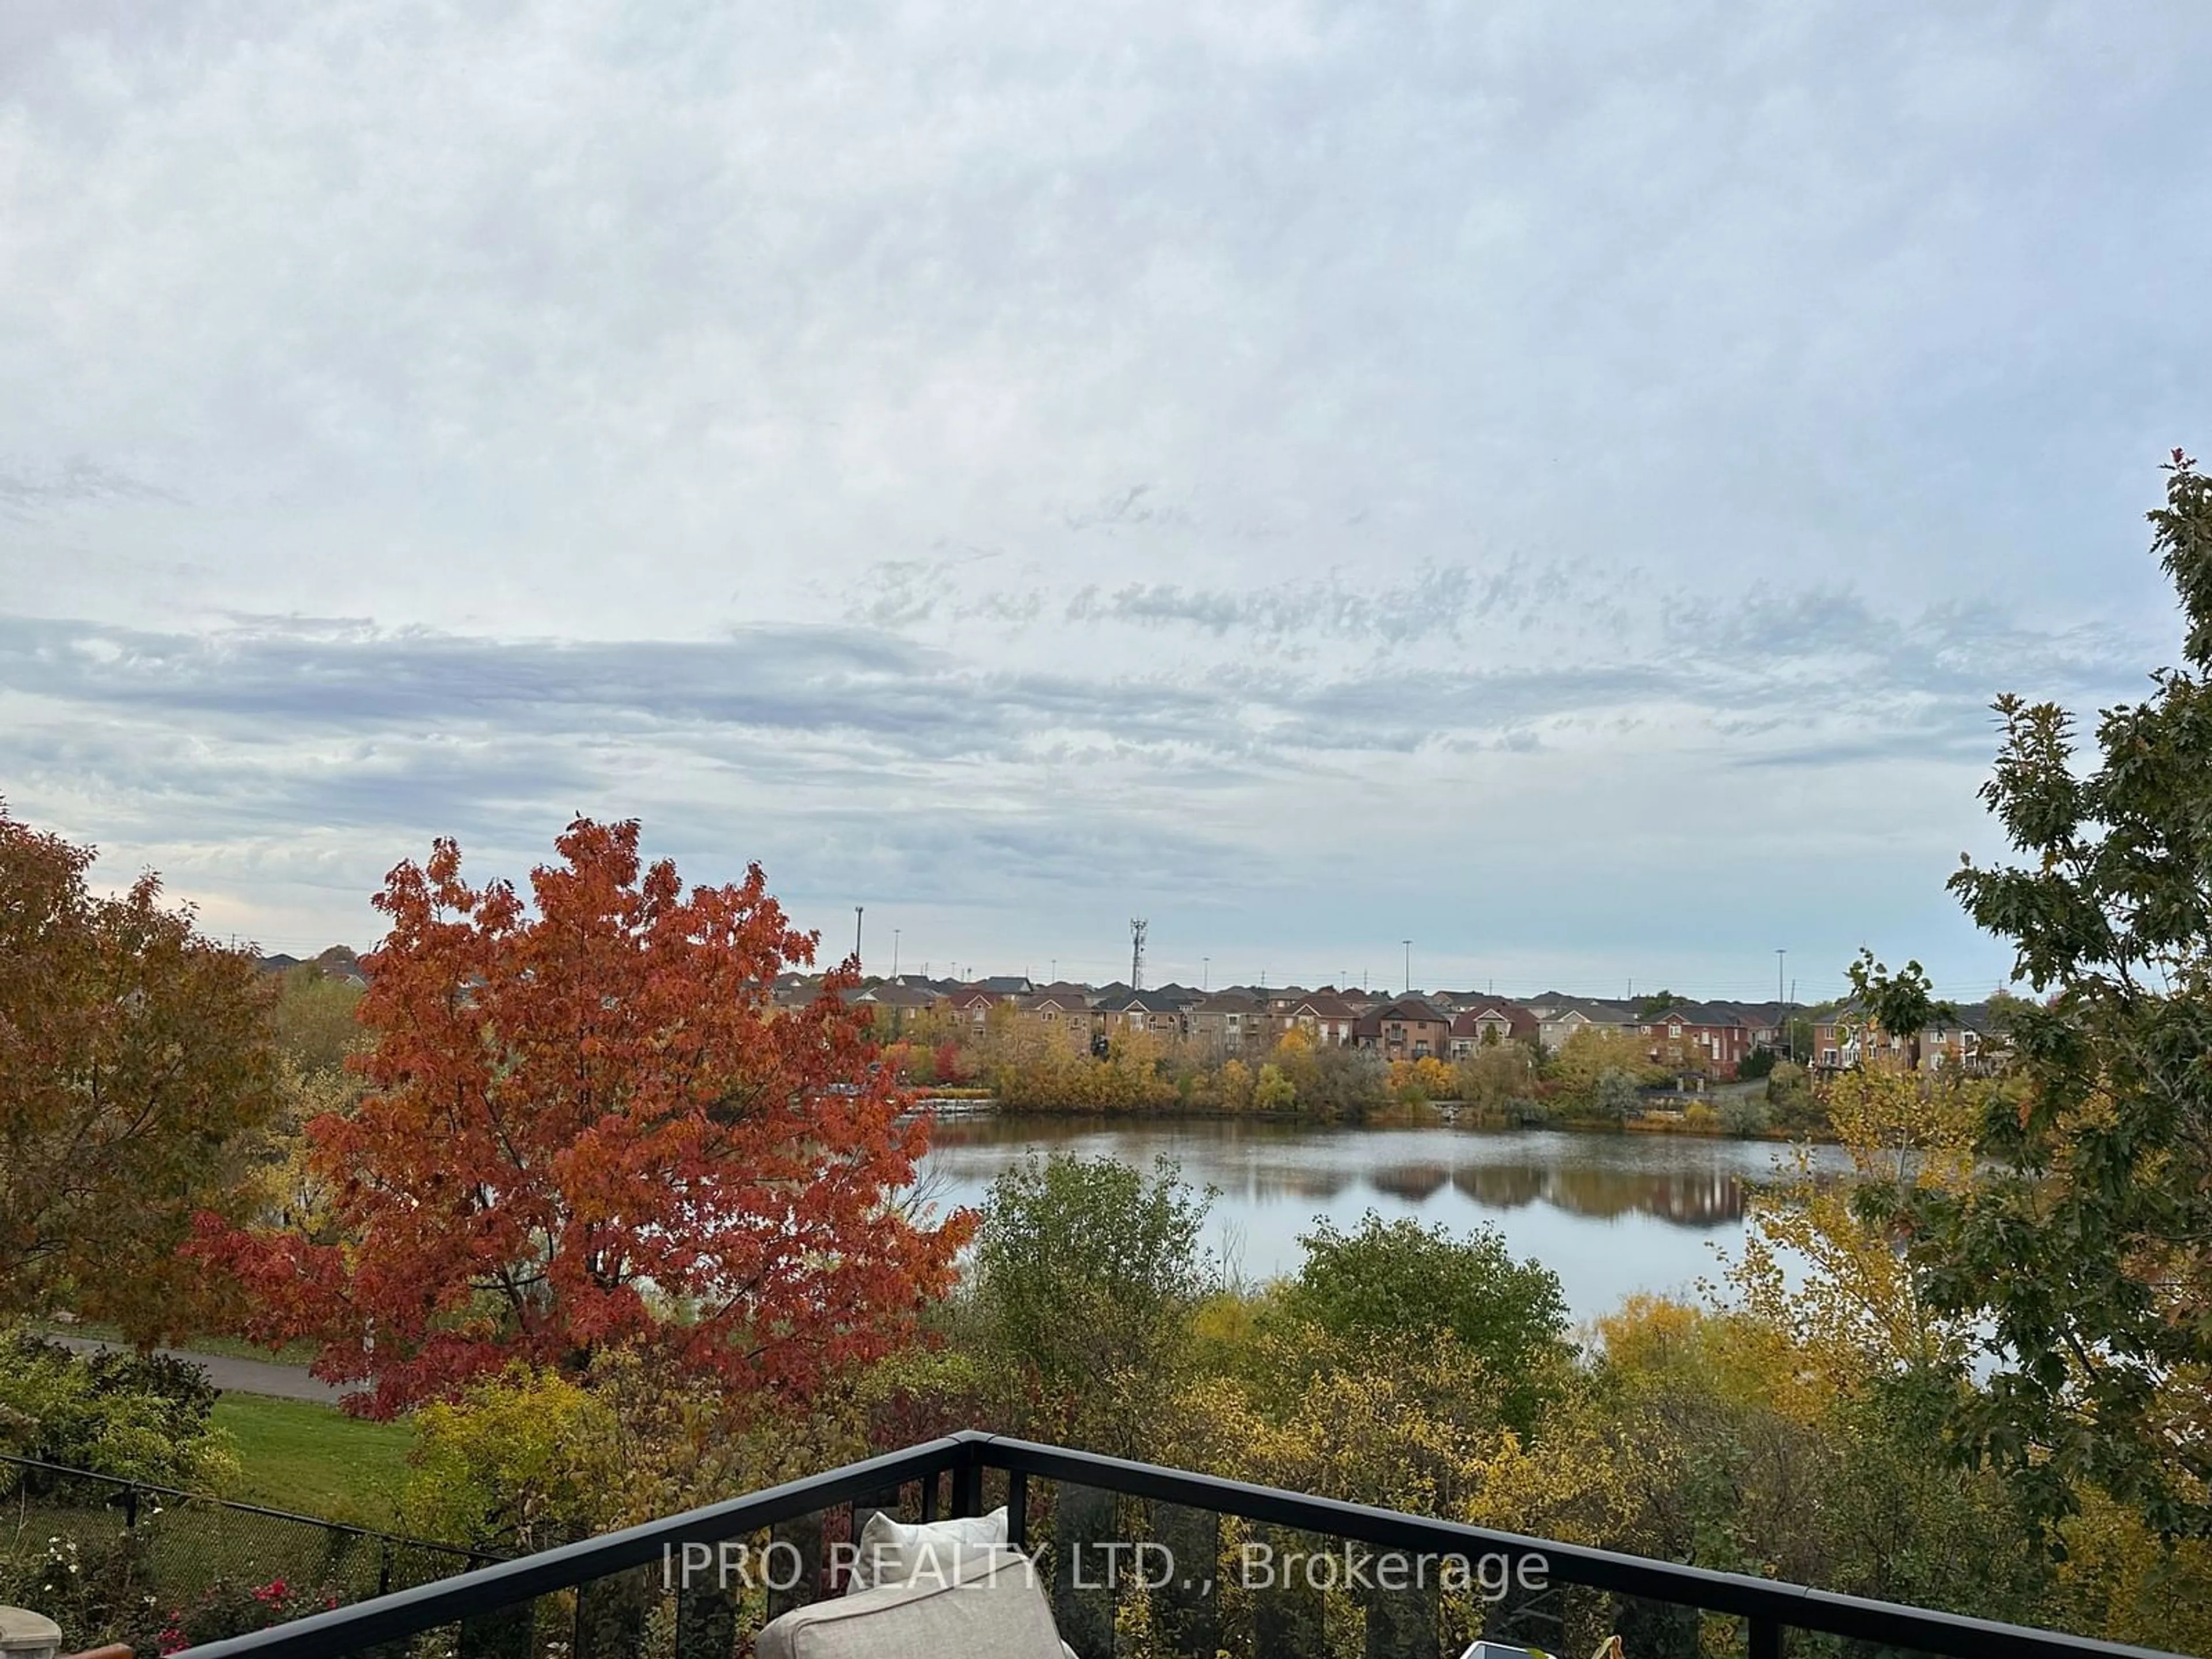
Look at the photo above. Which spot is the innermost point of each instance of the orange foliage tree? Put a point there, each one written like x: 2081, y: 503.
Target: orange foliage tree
x: 587, y: 1126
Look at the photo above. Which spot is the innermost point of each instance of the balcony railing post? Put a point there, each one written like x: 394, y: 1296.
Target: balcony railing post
x: 968, y: 1484
x: 1017, y: 1509
x: 1765, y: 1639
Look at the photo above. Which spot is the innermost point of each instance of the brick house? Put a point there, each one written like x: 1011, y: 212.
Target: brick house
x: 1408, y: 1028
x: 1699, y: 1037
x: 1959, y: 1038
x: 1326, y: 1018
x: 1063, y: 1015
x: 973, y: 1003
x: 1488, y: 1022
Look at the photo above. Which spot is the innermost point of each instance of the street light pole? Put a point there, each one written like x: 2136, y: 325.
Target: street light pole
x: 1206, y: 973
x: 1409, y: 943
x: 895, y: 938
x: 1781, y: 1009
x: 857, y: 910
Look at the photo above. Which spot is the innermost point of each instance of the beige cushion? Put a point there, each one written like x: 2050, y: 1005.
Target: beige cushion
x: 974, y: 1604
x: 893, y: 1552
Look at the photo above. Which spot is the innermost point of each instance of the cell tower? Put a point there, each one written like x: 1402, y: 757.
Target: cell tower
x: 1136, y: 955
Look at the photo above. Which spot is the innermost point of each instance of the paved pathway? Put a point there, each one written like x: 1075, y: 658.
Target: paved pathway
x: 263, y: 1377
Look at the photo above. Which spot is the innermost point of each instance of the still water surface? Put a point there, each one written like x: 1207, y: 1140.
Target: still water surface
x: 1611, y: 1214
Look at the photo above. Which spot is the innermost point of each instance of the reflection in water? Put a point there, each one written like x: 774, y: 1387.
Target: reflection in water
x: 1416, y: 1183
x: 1612, y: 1214
x: 1274, y: 1181
x: 1696, y: 1198
x: 1693, y: 1183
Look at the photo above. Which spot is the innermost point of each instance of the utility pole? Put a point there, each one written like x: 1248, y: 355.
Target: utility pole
x: 895, y: 933
x: 857, y: 910
x: 1782, y: 1013
x: 1205, y: 973
x: 1137, y: 953
x: 1409, y: 943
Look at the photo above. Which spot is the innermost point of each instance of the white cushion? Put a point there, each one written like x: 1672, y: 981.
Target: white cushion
x: 892, y: 1553
x: 988, y: 1604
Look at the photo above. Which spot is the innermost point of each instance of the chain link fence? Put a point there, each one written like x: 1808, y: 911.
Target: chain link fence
x: 104, y: 1555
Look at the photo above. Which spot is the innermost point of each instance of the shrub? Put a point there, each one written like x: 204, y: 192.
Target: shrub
x: 1086, y: 1274
x: 1614, y: 1094
x: 523, y: 1460
x: 1399, y: 1280
x: 136, y: 1419
x: 1745, y: 1114
x: 228, y: 1608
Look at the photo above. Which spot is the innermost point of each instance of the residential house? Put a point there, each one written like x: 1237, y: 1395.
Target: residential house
x: 1328, y: 1018
x: 1151, y: 1012
x: 1558, y: 1018
x: 1845, y: 1037
x: 1698, y: 1036
x: 1062, y: 1014
x: 1230, y: 1022
x: 1407, y: 1028
x: 897, y: 1007
x: 1488, y: 1022
x: 973, y: 1003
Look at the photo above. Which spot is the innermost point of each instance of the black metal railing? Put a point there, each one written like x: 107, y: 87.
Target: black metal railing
x: 622, y: 1595
x: 117, y: 1547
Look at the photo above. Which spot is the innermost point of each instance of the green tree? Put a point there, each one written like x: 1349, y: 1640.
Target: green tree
x: 1900, y: 1004
x: 1495, y: 1076
x: 137, y: 1076
x: 1401, y: 1281
x: 1592, y: 1052
x: 1614, y: 1094
x: 315, y: 1018
x: 2088, y: 1247
x: 1086, y: 1274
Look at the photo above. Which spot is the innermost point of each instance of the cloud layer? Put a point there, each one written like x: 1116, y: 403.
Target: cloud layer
x: 1566, y: 487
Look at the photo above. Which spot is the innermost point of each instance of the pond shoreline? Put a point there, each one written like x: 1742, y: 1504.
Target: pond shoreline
x: 1434, y: 1115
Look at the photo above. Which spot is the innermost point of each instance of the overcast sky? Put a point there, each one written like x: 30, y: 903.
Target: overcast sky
x: 1559, y: 483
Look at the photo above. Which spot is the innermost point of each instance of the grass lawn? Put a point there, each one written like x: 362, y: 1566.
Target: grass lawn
x: 315, y: 1460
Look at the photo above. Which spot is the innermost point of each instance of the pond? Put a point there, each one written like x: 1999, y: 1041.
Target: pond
x: 1612, y: 1214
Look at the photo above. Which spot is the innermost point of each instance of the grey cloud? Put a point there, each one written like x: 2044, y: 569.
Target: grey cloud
x: 75, y: 482
x: 1437, y: 601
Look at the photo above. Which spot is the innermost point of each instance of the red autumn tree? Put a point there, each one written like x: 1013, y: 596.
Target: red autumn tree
x: 588, y: 1125
x: 947, y: 1063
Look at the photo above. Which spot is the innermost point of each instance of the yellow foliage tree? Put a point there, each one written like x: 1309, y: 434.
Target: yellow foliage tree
x: 1590, y: 1052
x: 1858, y: 1309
